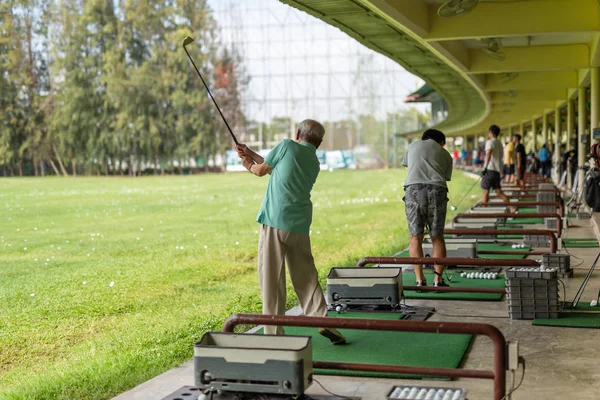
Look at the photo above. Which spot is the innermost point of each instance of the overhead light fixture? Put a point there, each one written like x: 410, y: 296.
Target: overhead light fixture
x: 492, y: 49
x: 455, y: 8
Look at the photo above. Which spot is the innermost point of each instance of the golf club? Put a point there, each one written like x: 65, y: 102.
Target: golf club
x: 187, y: 41
x: 455, y: 207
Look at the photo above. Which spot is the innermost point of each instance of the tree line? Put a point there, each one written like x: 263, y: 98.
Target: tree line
x: 104, y: 86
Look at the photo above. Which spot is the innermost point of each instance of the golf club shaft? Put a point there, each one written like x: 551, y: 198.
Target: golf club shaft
x: 211, y: 96
x: 584, y: 283
x: 468, y: 192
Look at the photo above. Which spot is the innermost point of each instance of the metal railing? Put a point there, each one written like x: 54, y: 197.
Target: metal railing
x: 498, y: 373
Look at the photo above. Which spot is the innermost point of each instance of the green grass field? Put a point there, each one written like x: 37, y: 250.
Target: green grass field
x: 107, y: 282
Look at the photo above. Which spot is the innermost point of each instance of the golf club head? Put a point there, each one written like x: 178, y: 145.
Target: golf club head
x: 187, y: 41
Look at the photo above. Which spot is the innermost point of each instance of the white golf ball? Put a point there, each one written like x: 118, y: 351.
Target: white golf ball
x: 338, y: 309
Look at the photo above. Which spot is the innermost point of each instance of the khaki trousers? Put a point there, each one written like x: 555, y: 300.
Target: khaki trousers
x: 275, y: 249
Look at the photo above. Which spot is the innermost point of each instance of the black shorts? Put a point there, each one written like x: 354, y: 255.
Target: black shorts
x: 509, y: 169
x: 490, y: 180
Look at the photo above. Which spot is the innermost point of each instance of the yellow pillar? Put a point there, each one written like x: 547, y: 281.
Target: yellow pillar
x: 581, y: 127
x: 522, y: 130
x: 570, y: 133
x: 570, y: 123
x: 534, y: 135
x: 545, y: 129
x: 595, y: 95
x: 557, y: 132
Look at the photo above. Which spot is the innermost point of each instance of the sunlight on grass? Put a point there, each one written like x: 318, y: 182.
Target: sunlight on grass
x: 107, y: 282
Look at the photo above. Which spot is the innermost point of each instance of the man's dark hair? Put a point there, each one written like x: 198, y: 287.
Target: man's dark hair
x: 495, y: 130
x: 518, y: 137
x: 434, y: 135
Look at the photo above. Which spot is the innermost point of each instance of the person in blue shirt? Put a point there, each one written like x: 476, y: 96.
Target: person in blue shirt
x: 546, y: 163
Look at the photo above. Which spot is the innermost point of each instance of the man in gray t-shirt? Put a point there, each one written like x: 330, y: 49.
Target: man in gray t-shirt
x: 426, y: 198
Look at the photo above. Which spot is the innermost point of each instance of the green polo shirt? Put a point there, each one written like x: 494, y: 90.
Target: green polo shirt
x: 287, y: 204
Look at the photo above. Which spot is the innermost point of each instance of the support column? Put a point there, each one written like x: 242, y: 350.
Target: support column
x: 595, y: 100
x: 522, y: 130
x: 570, y: 134
x: 545, y: 130
x: 581, y: 126
x: 534, y: 133
x: 557, y: 134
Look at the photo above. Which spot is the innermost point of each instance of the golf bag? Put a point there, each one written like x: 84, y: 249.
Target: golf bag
x: 592, y: 190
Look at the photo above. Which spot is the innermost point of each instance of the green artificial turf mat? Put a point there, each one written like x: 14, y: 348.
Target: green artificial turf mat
x: 583, y: 307
x: 580, y: 243
x: 409, y: 279
x: 504, y: 228
x: 571, y: 320
x: 525, y: 221
x: 526, y: 210
x: 436, y: 350
x: 482, y: 247
x: 503, y: 256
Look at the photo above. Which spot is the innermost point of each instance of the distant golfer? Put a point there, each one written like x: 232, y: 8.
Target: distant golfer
x: 285, y: 217
x: 490, y: 176
x: 426, y: 198
x: 520, y: 161
x: 509, y: 161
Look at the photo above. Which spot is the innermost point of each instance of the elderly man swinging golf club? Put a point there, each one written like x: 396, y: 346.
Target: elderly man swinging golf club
x: 285, y: 216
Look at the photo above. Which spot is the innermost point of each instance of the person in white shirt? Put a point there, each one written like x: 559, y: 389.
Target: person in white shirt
x: 490, y: 176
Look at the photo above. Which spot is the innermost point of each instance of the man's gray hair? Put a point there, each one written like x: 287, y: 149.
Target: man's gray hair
x: 311, y: 131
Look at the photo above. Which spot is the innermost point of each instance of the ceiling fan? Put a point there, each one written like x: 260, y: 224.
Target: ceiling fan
x: 454, y: 8
x: 492, y: 48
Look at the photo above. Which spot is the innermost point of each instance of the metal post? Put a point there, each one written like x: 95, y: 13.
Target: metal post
x: 595, y: 100
x: 581, y: 127
x: 557, y: 136
x: 570, y: 133
x: 534, y: 133
x: 545, y: 129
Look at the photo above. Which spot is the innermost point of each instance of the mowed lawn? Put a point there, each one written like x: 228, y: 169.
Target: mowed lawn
x: 107, y: 282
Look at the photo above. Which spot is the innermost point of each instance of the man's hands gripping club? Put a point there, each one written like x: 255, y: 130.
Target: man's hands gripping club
x: 252, y: 161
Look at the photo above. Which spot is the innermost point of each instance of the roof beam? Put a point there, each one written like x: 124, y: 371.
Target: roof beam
x: 412, y: 14
x: 497, y: 19
x: 536, y: 107
x: 523, y: 97
x: 536, y: 58
x: 533, y: 81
